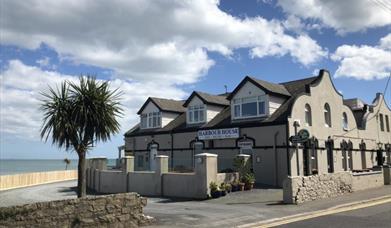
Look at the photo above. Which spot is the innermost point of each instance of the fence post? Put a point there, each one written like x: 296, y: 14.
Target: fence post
x: 206, y: 172
x: 161, y: 167
x: 127, y: 164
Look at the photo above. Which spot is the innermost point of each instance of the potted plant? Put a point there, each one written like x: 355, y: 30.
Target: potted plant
x: 228, y: 187
x: 235, y: 186
x: 223, y: 189
x: 214, y: 190
x: 240, y: 186
x: 249, y: 180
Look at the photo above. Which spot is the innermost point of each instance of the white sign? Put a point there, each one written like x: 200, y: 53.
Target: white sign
x: 246, y: 144
x: 227, y: 133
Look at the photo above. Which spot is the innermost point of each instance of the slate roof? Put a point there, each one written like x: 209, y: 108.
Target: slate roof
x: 290, y: 90
x: 220, y: 100
x: 167, y: 105
x: 268, y: 87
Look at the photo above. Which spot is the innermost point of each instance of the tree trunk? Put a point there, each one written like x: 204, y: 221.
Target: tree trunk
x: 81, y: 178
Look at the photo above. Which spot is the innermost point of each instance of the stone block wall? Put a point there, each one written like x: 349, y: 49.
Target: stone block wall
x: 120, y: 210
x: 300, y: 189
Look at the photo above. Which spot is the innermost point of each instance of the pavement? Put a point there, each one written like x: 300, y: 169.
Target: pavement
x: 235, y: 209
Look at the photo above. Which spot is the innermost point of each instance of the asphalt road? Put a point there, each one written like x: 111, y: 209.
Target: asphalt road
x: 235, y: 209
x: 375, y: 216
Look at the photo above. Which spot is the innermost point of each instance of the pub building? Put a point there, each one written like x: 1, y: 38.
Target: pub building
x: 301, y: 127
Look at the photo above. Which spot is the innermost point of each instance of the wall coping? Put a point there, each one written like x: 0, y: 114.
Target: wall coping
x: 367, y: 173
x: 243, y: 155
x: 161, y: 156
x: 205, y: 155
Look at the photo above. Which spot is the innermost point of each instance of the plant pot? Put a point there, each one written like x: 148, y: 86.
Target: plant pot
x: 241, y: 187
x: 248, y: 186
x: 215, y: 194
x: 234, y: 188
x: 223, y: 193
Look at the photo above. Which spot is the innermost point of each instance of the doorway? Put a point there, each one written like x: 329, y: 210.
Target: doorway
x: 330, y: 155
x: 152, y: 156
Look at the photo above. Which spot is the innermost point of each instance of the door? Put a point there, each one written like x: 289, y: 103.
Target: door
x: 330, y: 157
x: 152, y: 157
x: 246, y: 147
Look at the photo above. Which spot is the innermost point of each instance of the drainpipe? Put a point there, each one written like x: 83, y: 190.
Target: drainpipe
x: 276, y: 157
x: 288, y: 150
x: 172, y: 150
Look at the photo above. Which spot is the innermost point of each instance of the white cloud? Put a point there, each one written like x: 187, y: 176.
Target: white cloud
x: 344, y: 16
x: 147, y: 40
x: 364, y: 62
x: 20, y: 98
x: 44, y: 62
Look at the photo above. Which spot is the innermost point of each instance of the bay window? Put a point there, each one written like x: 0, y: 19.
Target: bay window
x: 150, y: 120
x: 196, y: 114
x: 250, y: 107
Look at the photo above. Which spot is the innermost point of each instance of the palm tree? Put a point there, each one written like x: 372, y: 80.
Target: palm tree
x: 76, y: 116
x: 67, y: 162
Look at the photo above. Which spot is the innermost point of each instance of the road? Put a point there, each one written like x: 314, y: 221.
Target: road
x: 375, y: 216
x: 235, y: 209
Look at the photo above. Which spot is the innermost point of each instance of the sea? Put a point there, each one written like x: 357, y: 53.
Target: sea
x: 17, y: 166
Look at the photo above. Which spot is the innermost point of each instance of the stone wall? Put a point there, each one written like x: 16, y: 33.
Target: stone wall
x: 362, y: 181
x: 120, y: 210
x: 300, y: 189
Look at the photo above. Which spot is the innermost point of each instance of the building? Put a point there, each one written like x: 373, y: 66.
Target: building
x: 262, y: 119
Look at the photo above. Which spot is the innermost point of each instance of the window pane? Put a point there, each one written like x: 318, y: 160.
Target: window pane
x: 249, y: 109
x: 202, y: 115
x: 249, y: 99
x: 261, y: 107
x: 196, y: 116
x: 237, y: 111
x: 191, y: 116
x: 381, y: 122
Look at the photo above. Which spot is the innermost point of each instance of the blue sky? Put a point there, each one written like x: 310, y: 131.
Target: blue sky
x: 170, y: 48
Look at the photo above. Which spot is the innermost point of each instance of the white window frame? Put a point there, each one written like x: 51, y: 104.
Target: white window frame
x: 308, y: 115
x: 238, y: 104
x: 150, y: 120
x: 327, y: 115
x: 201, y: 112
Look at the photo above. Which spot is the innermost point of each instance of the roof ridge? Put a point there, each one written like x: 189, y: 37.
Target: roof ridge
x: 297, y: 80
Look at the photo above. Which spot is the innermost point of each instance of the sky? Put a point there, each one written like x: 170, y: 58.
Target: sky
x: 170, y: 48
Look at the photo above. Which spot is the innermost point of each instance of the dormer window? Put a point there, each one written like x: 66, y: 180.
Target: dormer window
x: 150, y: 120
x: 250, y: 107
x: 196, y: 114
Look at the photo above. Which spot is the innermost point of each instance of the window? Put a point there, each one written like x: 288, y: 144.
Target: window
x: 151, y: 120
x: 250, y: 107
x: 308, y: 115
x: 143, y: 120
x: 345, y: 121
x: 387, y: 124
x: 140, y: 161
x: 381, y: 122
x: 196, y: 114
x: 327, y: 115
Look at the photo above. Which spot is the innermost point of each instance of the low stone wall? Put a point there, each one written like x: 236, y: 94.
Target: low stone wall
x: 30, y: 179
x: 120, y: 210
x: 300, y: 189
x: 362, y: 181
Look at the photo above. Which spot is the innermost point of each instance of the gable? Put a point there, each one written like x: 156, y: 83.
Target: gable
x: 150, y: 107
x: 248, y: 90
